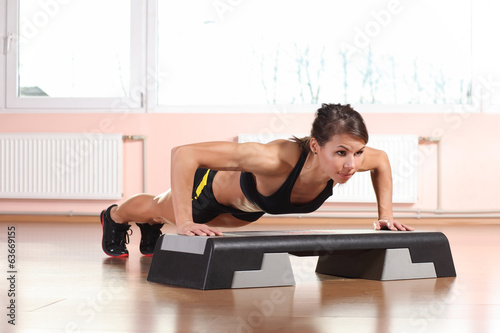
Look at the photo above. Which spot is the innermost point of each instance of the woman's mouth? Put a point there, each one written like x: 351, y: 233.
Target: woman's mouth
x: 345, y: 175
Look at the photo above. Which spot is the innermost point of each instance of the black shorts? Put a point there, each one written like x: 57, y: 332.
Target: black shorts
x: 206, y: 207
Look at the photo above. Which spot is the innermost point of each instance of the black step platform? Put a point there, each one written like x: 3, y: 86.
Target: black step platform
x: 261, y: 258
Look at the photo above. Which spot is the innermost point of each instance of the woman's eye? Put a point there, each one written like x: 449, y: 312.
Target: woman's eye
x: 360, y: 152
x: 341, y: 153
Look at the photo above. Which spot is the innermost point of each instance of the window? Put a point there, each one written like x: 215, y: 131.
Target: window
x: 73, y: 54
x: 242, y: 56
x: 306, y: 52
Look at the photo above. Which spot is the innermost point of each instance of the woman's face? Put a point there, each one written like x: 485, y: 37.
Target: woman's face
x: 340, y: 157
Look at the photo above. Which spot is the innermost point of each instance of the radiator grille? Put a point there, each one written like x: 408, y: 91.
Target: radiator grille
x: 60, y: 166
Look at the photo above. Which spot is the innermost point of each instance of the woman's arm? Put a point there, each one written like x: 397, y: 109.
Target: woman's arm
x: 252, y: 157
x: 377, y: 162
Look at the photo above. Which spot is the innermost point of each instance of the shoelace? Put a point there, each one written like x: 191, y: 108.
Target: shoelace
x: 127, y: 235
x: 123, y: 236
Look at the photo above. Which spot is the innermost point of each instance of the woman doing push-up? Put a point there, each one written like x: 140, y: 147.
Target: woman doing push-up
x: 231, y: 184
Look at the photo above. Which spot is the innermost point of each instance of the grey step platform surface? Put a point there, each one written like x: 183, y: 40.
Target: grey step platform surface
x: 249, y: 259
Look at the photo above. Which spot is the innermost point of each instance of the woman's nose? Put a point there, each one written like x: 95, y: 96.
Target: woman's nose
x: 349, y: 162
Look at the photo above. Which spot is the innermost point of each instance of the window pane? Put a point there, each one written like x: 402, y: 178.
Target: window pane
x: 79, y: 48
x: 310, y: 51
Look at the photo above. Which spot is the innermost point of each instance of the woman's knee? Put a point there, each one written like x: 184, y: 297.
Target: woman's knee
x: 138, y: 208
x: 163, y: 208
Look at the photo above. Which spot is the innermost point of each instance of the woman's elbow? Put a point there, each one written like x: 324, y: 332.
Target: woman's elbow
x: 179, y: 153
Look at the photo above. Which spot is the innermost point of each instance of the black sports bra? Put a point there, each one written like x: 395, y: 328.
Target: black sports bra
x: 279, y: 201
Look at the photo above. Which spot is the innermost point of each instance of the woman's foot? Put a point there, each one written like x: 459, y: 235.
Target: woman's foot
x: 115, y: 236
x: 149, y: 236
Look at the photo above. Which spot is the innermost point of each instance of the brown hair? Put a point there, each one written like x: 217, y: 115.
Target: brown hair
x: 334, y: 119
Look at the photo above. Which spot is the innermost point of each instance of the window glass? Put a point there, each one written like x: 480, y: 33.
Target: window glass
x: 78, y: 48
x: 310, y: 51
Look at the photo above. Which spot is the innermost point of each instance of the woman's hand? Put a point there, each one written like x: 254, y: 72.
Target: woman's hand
x: 190, y: 228
x: 391, y: 224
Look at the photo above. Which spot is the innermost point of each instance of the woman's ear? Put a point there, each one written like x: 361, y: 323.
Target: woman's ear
x: 314, y: 145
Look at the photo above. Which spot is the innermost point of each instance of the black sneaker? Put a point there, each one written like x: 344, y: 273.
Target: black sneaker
x: 115, y: 236
x: 149, y: 236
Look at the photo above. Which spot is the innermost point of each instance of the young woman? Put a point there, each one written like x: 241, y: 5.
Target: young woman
x: 235, y: 184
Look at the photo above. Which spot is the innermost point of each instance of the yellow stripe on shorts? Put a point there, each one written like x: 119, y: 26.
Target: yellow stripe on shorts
x: 203, y: 183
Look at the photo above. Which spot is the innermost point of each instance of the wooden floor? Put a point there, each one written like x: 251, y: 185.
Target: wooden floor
x: 65, y: 283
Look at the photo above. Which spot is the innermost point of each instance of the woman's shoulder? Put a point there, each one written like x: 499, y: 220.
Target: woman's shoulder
x: 287, y: 152
x: 269, y: 159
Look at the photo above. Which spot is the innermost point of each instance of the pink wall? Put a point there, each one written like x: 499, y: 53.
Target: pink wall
x: 470, y: 158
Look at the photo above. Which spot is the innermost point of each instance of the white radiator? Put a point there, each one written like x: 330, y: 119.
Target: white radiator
x: 403, y: 155
x: 60, y: 166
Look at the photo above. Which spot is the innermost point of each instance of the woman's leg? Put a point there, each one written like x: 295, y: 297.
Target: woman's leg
x: 145, y: 208
x: 148, y: 211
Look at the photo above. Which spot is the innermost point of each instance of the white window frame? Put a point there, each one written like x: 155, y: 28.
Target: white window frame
x: 3, y: 34
x: 134, y: 103
x: 152, y: 76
